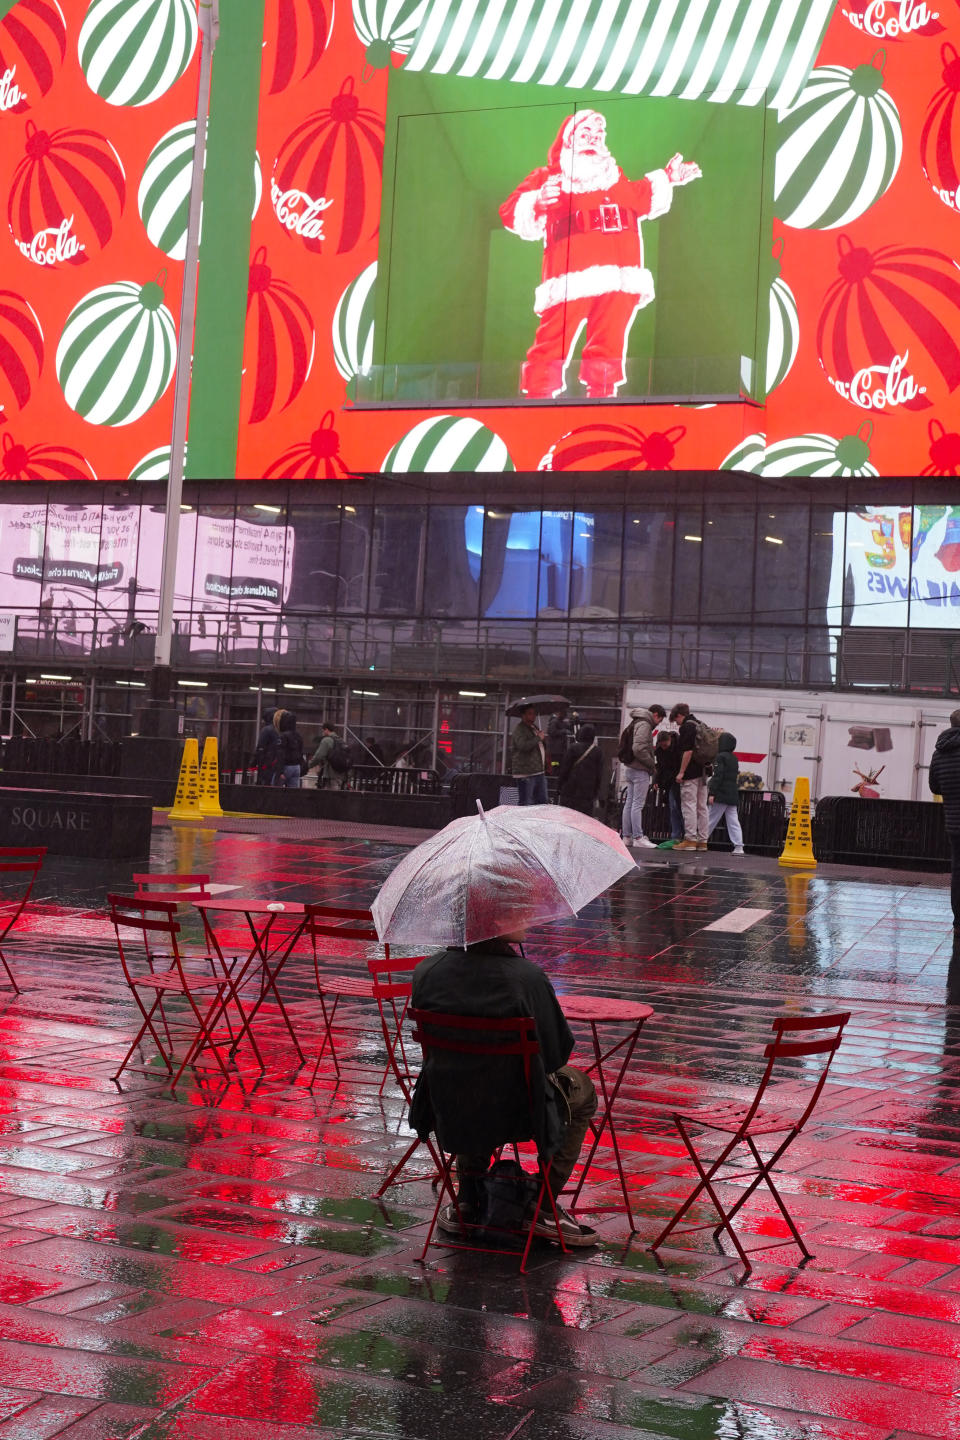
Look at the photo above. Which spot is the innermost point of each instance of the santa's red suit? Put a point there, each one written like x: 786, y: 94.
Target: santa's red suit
x: 593, y: 272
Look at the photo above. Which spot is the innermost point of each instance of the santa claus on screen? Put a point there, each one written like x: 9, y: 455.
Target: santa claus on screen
x: 587, y: 215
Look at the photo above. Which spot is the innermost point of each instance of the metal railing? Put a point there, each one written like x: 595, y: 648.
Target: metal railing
x: 516, y: 652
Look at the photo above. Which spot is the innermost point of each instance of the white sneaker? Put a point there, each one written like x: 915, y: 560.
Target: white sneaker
x: 738, y: 850
x: 645, y: 843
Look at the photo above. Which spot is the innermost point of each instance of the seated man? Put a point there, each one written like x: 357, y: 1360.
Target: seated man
x: 491, y: 979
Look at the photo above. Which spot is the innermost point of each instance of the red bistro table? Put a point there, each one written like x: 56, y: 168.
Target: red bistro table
x: 272, y: 952
x: 597, y: 1011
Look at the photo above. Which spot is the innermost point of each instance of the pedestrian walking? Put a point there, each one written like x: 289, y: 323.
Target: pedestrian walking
x: 290, y: 768
x: 944, y: 780
x: 698, y: 749
x: 637, y: 757
x: 267, y: 755
x: 581, y: 770
x: 331, y: 758
x: 723, y: 792
x: 528, y: 758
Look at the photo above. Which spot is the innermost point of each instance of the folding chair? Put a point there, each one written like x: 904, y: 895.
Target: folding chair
x: 24, y: 863
x: 491, y: 1039
x: 745, y: 1123
x: 151, y: 931
x: 174, y: 885
x: 393, y: 1000
x: 326, y: 922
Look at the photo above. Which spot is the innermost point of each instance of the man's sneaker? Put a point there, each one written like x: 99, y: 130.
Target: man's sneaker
x: 685, y: 845
x: 449, y: 1221
x: 645, y: 843
x: 738, y: 849
x: 574, y: 1235
x: 701, y: 844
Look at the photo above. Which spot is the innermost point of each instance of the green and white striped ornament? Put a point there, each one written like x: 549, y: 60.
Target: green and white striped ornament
x: 155, y: 465
x: 838, y: 147
x: 748, y: 456
x: 756, y: 52
x: 117, y: 353
x: 822, y: 456
x: 353, y: 325
x: 446, y: 443
x: 164, y: 195
x: 783, y: 333
x: 133, y: 51
x: 385, y: 26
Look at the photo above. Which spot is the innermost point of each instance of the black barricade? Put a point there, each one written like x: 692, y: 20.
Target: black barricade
x: 386, y: 780
x: 851, y: 831
x: 763, y: 820
x: 70, y: 756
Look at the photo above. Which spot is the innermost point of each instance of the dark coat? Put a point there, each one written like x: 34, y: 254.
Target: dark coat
x: 688, y: 739
x: 668, y: 763
x: 581, y: 770
x: 268, y: 752
x: 944, y: 777
x: 726, y: 772
x: 473, y: 1103
x: 291, y: 742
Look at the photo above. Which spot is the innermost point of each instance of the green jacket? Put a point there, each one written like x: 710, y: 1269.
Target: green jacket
x: 526, y: 751
x: 723, y: 782
x: 322, y: 752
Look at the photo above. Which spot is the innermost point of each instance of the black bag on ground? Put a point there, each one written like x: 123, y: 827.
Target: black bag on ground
x: 508, y: 1194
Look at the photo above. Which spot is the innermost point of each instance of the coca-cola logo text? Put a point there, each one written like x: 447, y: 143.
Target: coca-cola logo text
x: 888, y: 20
x: 297, y: 212
x: 10, y: 92
x: 881, y: 387
x: 50, y: 246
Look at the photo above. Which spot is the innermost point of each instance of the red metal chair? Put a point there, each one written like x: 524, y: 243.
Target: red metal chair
x: 337, y: 922
x: 495, y: 1039
x: 24, y: 863
x: 147, y: 931
x: 744, y: 1124
x: 175, y: 885
x: 393, y: 1000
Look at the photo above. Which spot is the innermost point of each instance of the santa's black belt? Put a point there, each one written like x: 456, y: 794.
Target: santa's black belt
x: 609, y: 219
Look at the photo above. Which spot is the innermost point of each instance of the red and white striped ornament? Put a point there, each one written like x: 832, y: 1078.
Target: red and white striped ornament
x: 889, y: 330
x: 67, y: 195
x: 318, y: 458
x: 605, y: 446
x: 21, y: 349
x: 940, y: 136
x: 280, y: 340
x: 33, y: 44
x: 327, y: 176
x: 42, y: 462
x: 295, y: 35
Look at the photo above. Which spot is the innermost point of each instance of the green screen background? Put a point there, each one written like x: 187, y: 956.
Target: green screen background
x: 455, y: 289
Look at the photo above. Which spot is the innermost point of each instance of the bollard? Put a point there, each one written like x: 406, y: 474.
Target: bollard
x: 798, y: 849
x: 210, y: 778
x: 186, y: 804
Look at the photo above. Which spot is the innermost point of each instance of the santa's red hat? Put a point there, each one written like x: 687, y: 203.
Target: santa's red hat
x: 565, y: 133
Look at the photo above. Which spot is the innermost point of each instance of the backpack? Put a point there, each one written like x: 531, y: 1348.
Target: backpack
x: 625, y: 748
x: 339, y: 758
x: 507, y: 1195
x: 291, y: 747
x: 706, y: 744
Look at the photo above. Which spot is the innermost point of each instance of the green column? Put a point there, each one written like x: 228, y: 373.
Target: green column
x: 225, y: 243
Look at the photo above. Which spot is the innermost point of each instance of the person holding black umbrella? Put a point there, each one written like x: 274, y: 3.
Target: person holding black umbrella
x: 528, y: 762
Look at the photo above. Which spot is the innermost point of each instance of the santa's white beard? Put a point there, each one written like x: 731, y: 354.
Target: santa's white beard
x: 580, y: 173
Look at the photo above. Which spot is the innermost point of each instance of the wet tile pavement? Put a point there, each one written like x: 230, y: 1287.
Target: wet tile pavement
x: 213, y: 1263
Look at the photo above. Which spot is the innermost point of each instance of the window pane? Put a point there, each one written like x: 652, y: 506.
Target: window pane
x: 555, y: 542
x: 354, y: 562
x: 399, y: 537
x: 511, y: 563
x: 314, y: 579
x: 648, y: 562
x: 451, y: 582
x: 780, y: 583
x: 689, y: 547
x: 595, y: 583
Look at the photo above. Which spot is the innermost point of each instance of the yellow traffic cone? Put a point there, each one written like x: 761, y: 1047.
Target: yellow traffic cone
x: 186, y: 804
x: 798, y: 849
x: 210, y: 778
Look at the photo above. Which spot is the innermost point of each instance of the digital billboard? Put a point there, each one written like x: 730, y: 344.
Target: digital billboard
x: 487, y: 237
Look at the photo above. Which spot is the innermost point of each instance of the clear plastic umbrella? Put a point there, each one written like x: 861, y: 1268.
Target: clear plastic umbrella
x: 498, y: 873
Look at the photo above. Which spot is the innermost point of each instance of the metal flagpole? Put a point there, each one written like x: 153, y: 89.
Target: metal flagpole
x: 209, y: 19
